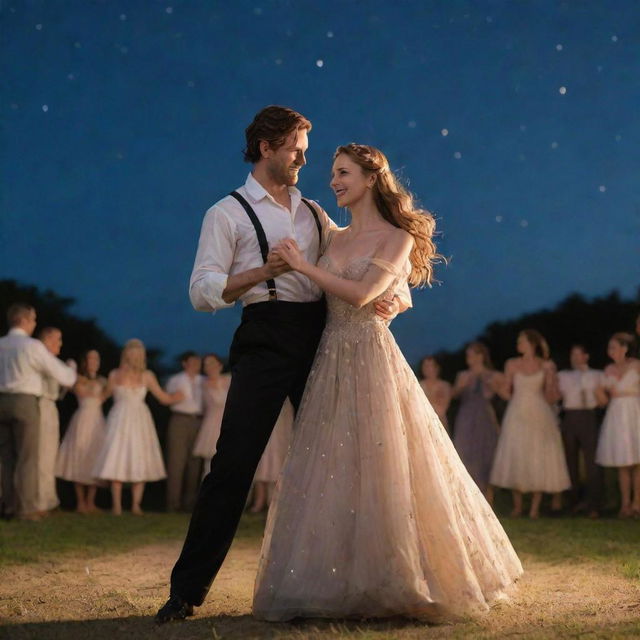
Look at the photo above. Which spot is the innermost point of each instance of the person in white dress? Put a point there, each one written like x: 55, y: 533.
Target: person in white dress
x: 83, y: 440
x: 435, y: 388
x: 131, y: 451
x: 619, y: 442
x: 272, y: 459
x: 214, y: 394
x: 530, y: 456
x: 49, y: 437
x: 374, y: 513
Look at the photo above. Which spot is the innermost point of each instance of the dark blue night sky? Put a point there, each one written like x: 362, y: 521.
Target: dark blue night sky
x: 516, y: 122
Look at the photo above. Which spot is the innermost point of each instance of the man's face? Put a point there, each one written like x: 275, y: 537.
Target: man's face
x: 578, y: 357
x: 28, y: 322
x: 53, y: 342
x: 284, y: 163
x: 192, y: 365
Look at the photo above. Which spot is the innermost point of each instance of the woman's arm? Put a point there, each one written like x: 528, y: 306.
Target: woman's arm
x: 462, y: 379
x: 504, y: 390
x: 108, y: 389
x: 357, y: 293
x: 158, y: 392
x: 551, y: 386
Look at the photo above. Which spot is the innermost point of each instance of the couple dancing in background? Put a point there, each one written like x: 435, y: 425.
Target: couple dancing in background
x: 374, y: 514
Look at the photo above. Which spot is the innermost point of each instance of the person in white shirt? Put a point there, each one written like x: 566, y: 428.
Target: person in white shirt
x: 580, y: 429
x: 24, y: 362
x: 183, y: 468
x: 49, y: 438
x: 274, y: 347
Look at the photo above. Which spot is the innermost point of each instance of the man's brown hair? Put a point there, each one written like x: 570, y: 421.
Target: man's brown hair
x: 274, y: 124
x: 17, y: 311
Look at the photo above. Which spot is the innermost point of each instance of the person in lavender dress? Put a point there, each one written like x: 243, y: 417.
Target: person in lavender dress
x: 476, y: 426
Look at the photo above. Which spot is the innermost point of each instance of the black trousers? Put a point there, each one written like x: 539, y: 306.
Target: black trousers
x: 271, y: 355
x: 580, y: 431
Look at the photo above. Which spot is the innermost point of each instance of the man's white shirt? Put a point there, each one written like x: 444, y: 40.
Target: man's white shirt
x: 192, y: 390
x: 24, y: 362
x: 228, y: 245
x: 578, y: 388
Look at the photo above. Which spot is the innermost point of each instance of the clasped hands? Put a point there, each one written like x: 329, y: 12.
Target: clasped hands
x: 286, y: 256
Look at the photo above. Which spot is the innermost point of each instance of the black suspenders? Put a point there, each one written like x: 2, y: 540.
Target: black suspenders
x: 262, y: 238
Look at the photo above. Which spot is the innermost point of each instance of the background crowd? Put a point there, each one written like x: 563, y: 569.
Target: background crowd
x: 529, y: 428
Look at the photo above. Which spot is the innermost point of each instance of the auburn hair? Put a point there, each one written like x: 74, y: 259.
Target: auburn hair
x: 396, y: 205
x: 536, y: 339
x: 274, y: 125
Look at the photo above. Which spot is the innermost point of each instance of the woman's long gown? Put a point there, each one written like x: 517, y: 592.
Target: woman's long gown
x: 83, y: 439
x: 476, y: 430
x: 131, y: 451
x: 374, y: 514
x: 275, y: 453
x: 530, y: 455
x: 619, y: 442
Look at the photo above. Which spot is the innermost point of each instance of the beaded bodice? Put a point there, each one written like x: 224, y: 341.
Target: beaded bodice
x: 343, y: 317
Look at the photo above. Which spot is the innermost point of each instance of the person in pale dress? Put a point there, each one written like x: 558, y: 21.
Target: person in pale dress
x: 214, y: 394
x: 437, y: 390
x: 619, y: 442
x: 272, y: 459
x: 476, y: 428
x: 374, y: 514
x: 85, y: 434
x: 530, y: 455
x: 131, y: 451
x: 49, y: 436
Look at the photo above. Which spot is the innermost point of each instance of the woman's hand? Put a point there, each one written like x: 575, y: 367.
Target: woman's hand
x: 289, y: 251
x: 388, y: 309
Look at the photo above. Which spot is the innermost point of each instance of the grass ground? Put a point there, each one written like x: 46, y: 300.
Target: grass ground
x: 73, y: 577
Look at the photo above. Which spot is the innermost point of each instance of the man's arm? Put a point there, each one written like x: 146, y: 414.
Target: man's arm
x: 211, y: 287
x: 48, y: 365
x: 241, y: 282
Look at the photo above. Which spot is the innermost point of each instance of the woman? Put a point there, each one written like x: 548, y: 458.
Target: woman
x: 619, y: 442
x: 216, y: 384
x: 476, y: 427
x: 437, y: 390
x: 131, y: 451
x: 84, y: 437
x: 387, y: 521
x: 272, y: 459
x: 530, y: 455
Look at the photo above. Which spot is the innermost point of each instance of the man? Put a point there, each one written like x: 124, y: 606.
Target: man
x: 183, y: 468
x: 580, y: 428
x: 23, y: 363
x: 272, y: 350
x: 49, y: 436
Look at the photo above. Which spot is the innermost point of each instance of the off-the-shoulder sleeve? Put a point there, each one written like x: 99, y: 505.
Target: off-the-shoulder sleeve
x: 386, y: 266
x: 402, y: 286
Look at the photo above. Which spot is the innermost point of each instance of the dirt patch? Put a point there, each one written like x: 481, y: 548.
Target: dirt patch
x: 116, y: 596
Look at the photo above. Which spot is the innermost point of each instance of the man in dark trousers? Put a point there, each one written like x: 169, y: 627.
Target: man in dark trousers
x: 274, y: 346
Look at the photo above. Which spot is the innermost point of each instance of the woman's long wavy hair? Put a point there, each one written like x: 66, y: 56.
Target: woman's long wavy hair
x: 397, y: 207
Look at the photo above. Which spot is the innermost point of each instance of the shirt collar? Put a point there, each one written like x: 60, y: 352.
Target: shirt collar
x: 17, y: 331
x: 257, y: 192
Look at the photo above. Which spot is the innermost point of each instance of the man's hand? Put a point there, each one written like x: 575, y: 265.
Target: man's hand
x: 275, y: 266
x: 388, y: 309
x: 288, y: 250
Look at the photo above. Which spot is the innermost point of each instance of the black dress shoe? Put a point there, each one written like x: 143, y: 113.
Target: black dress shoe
x: 175, y: 608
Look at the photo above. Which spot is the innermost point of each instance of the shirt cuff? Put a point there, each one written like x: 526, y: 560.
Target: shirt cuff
x: 206, y: 292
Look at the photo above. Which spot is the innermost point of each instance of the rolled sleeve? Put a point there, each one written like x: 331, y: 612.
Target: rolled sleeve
x: 47, y: 364
x: 213, y: 261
